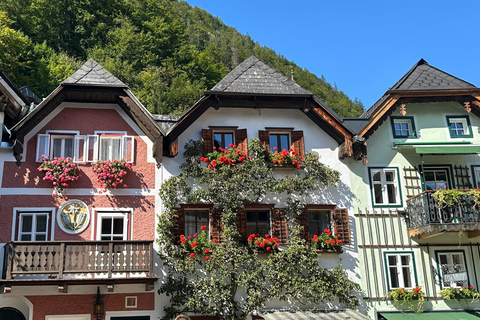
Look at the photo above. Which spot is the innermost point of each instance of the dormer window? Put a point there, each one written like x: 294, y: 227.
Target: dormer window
x: 62, y: 146
x: 223, y: 139
x: 277, y: 139
x: 459, y: 127
x: 403, y: 127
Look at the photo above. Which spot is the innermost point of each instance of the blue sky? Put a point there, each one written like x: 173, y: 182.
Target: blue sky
x: 363, y: 47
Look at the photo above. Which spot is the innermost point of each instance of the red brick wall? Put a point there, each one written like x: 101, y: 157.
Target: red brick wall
x: 83, y: 304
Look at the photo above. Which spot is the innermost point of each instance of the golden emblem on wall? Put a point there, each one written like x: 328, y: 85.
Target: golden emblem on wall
x: 73, y: 216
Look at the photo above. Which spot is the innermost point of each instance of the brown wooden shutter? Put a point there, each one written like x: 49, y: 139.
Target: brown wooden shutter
x: 279, y: 225
x: 264, y: 137
x: 179, y: 227
x: 215, y: 224
x: 241, y: 139
x: 207, y: 141
x: 242, y: 224
x: 298, y: 143
x: 342, y: 224
x: 303, y: 221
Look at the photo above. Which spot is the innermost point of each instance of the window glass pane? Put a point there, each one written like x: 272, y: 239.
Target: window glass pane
x: 26, y: 237
x: 274, y: 142
x: 407, y: 281
x: 40, y: 237
x: 57, y: 147
x: 228, y: 139
x: 443, y: 259
x: 110, y: 149
x: 41, y: 223
x: 392, y: 260
x: 377, y: 176
x: 27, y: 223
x: 313, y: 224
x: 284, y: 142
x: 68, y: 148
x: 394, y: 283
x: 251, y: 216
x: 262, y: 216
x: 106, y: 225
x: 429, y: 176
x: 377, y: 189
x: 118, y: 226
x: 106, y: 238
x: 389, y: 176
x: 391, y: 192
x: 405, y: 260
x: 441, y: 176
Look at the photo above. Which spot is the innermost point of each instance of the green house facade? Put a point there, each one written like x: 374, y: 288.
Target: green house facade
x: 422, y: 136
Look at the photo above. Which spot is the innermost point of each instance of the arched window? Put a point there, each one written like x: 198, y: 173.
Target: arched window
x: 11, y: 314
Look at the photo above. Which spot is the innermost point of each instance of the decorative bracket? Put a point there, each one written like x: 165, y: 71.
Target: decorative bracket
x: 403, y: 109
x: 467, y: 106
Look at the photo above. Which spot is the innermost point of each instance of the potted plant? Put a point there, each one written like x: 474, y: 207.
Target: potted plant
x: 220, y: 156
x: 111, y: 173
x: 327, y: 242
x: 461, y: 294
x: 197, y: 245
x: 61, y: 172
x: 286, y: 158
x: 258, y: 243
x: 407, y: 297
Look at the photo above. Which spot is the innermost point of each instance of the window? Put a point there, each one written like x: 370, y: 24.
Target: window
x: 436, y: 179
x: 89, y: 148
x: 277, y: 139
x: 403, y: 127
x: 258, y: 221
x: 476, y: 176
x: 33, y: 226
x: 400, y: 270
x: 459, y: 127
x: 223, y: 139
x: 318, y: 221
x: 195, y: 219
x: 385, y: 187
x: 113, y: 226
x: 452, y: 269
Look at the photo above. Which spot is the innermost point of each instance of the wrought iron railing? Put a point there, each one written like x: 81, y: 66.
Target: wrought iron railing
x: 424, y: 210
x: 64, y: 259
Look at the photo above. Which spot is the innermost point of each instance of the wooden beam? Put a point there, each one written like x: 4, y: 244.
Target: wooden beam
x: 473, y: 234
x: 378, y: 115
x: 430, y: 234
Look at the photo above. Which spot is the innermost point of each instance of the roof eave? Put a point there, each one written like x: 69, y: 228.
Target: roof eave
x: 232, y: 93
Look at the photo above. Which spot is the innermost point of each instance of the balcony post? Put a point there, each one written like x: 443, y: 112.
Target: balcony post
x: 61, y: 262
x: 9, y: 255
x: 110, y: 259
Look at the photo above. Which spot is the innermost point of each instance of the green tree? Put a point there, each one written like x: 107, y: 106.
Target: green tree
x: 212, y: 286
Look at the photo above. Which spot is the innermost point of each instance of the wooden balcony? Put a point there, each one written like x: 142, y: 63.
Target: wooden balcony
x: 83, y: 261
x: 426, y: 218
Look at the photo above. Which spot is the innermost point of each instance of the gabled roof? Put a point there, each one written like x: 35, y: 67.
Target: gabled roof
x: 422, y: 83
x: 252, y: 76
x: 91, y: 83
x: 93, y: 74
x: 253, y: 84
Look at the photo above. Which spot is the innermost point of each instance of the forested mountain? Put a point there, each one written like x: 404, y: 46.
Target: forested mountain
x: 166, y: 51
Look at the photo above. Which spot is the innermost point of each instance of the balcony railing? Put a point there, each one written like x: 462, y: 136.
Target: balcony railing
x: 424, y: 211
x: 60, y: 260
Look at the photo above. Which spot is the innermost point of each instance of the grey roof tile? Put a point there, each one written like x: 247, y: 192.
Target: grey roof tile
x: 254, y: 76
x: 93, y: 74
x: 422, y: 77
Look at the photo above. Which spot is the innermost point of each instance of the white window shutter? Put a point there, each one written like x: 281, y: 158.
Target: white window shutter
x: 92, y: 148
x: 128, y: 147
x: 43, y: 146
x: 80, y: 148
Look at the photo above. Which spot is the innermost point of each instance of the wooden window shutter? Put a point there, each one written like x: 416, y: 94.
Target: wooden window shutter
x: 179, y: 227
x: 303, y: 221
x: 298, y: 143
x: 241, y: 139
x: 242, y: 224
x: 215, y: 224
x: 264, y: 138
x: 342, y: 225
x: 207, y: 141
x: 279, y: 226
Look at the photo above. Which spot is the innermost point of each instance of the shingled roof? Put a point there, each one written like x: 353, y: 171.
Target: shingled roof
x: 93, y: 74
x: 422, y: 77
x: 253, y: 76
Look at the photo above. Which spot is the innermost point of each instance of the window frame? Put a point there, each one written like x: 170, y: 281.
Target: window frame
x: 197, y: 209
x: 413, y: 269
x: 475, y: 180
x: 268, y: 209
x: 17, y: 222
x: 465, y: 120
x: 412, y: 133
x: 325, y: 211
x: 398, y: 195
x: 447, y: 167
x: 125, y: 213
x: 223, y: 132
x: 439, y: 270
x: 94, y: 144
x: 48, y: 145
